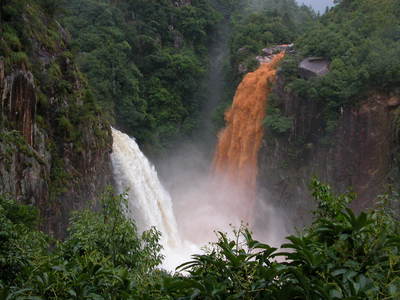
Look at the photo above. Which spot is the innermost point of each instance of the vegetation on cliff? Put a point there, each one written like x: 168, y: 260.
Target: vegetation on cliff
x: 360, y: 39
x: 343, y: 125
x: 34, y: 42
x: 257, y: 25
x: 340, y: 256
x: 49, y: 112
x: 264, y: 24
x: 144, y: 60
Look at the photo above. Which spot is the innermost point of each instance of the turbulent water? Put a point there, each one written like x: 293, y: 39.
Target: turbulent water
x: 203, y: 203
x: 239, y: 142
x: 149, y: 203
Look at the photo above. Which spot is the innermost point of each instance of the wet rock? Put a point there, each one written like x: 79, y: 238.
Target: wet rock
x: 18, y: 101
x: 242, y: 50
x: 177, y: 37
x: 393, y: 101
x: 357, y: 153
x: 313, y: 67
x: 270, y: 52
x: 40, y: 163
x: 276, y: 49
x: 242, y: 69
x: 263, y: 59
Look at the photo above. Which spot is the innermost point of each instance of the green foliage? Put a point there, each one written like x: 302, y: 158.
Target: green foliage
x: 19, y: 243
x: 242, y: 268
x: 22, y: 21
x: 276, y: 122
x: 12, y: 141
x: 65, y: 125
x: 113, y: 235
x: 29, y: 27
x: 144, y: 60
x: 340, y: 256
x: 59, y: 176
x: 257, y: 25
x: 362, y: 44
x: 103, y: 257
x: 329, y: 205
x: 265, y: 24
x: 52, y: 7
x: 12, y: 40
x: 344, y: 256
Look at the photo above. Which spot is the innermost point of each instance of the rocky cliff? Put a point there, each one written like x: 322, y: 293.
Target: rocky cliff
x: 359, y: 153
x: 54, y: 143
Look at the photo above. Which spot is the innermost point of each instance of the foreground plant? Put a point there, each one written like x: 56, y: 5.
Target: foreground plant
x: 340, y: 256
x: 103, y: 257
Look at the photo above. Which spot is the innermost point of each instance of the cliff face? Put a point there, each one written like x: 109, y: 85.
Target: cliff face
x: 54, y: 143
x: 358, y: 153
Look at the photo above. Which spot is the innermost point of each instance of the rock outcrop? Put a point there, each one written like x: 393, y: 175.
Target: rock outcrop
x: 54, y: 142
x: 19, y: 102
x: 269, y: 53
x: 313, y: 67
x: 357, y: 154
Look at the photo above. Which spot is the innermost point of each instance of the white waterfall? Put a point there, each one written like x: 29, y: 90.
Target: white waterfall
x: 149, y: 202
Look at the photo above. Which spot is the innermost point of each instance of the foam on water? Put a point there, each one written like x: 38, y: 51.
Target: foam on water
x: 149, y: 203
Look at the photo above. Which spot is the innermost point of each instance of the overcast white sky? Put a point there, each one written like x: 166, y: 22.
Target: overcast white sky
x: 319, y: 5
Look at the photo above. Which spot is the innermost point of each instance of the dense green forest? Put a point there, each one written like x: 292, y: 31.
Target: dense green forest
x: 64, y: 109
x: 257, y: 25
x: 265, y: 24
x: 144, y: 60
x: 361, y: 41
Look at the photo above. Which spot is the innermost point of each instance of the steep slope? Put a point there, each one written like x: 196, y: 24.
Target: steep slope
x: 54, y: 143
x: 144, y: 60
x: 359, y: 154
x: 335, y: 115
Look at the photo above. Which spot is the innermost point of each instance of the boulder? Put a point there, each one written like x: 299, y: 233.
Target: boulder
x: 263, y: 59
x: 276, y: 49
x: 393, y: 101
x: 242, y: 68
x: 313, y: 67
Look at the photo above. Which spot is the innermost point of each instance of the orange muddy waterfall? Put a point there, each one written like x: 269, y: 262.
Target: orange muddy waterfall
x: 236, y: 154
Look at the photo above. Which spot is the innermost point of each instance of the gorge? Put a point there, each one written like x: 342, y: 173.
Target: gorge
x: 137, y: 136
x: 227, y: 196
x: 236, y: 155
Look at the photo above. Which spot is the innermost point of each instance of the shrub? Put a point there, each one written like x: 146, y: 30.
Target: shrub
x: 276, y: 122
x: 19, y: 242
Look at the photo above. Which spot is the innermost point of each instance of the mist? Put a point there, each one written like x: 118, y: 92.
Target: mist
x: 205, y: 201
x: 317, y: 5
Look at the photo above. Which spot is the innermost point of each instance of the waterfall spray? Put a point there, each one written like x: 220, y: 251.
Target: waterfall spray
x: 203, y: 204
x: 149, y: 203
x: 236, y: 156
